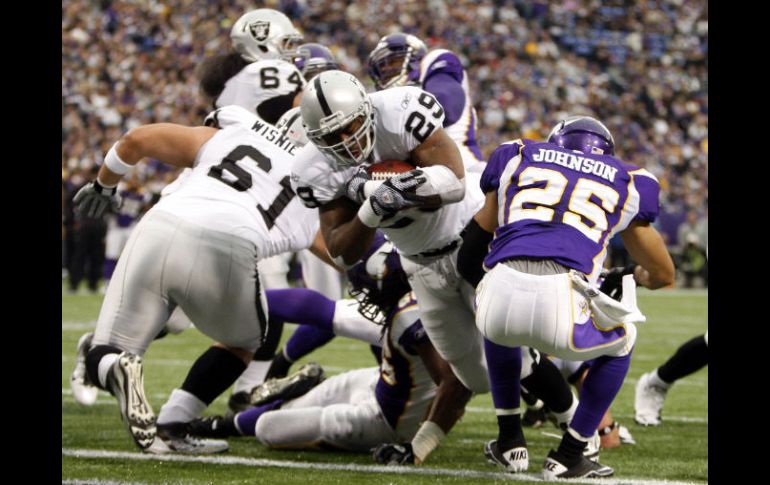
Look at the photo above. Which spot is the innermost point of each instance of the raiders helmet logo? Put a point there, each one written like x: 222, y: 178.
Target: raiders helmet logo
x: 259, y: 30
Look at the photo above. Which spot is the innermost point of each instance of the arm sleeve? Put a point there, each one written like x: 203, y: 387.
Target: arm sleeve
x: 649, y: 190
x: 449, y: 92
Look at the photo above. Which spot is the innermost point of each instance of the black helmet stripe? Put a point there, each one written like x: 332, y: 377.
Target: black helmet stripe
x: 321, y: 98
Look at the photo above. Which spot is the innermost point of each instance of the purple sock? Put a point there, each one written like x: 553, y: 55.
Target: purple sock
x: 246, y: 421
x: 305, y: 340
x: 109, y: 267
x: 602, y: 384
x: 504, y: 364
x: 301, y: 306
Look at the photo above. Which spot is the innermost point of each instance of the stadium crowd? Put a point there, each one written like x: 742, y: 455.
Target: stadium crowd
x: 641, y: 66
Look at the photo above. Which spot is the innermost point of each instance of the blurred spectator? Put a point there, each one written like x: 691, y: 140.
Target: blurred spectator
x: 88, y: 234
x: 640, y: 65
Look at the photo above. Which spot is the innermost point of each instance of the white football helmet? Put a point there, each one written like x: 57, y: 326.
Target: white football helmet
x: 338, y: 117
x: 291, y: 125
x: 265, y: 33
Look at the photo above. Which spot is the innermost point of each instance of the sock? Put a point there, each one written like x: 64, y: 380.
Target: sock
x: 246, y: 421
x: 302, y: 306
x: 280, y: 365
x: 212, y: 373
x: 181, y: 407
x: 571, y: 448
x: 254, y: 375
x: 504, y: 365
x: 306, y: 339
x: 600, y: 387
x: 547, y: 383
x: 689, y: 357
x: 99, y: 360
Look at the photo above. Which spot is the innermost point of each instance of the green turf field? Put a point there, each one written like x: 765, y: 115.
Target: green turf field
x: 97, y: 449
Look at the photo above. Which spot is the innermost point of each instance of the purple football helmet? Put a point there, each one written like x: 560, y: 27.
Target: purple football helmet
x: 395, y: 61
x: 378, y: 281
x: 314, y: 58
x: 583, y: 133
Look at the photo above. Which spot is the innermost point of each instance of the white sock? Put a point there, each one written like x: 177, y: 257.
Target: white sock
x: 253, y: 376
x: 181, y: 407
x: 657, y: 381
x: 104, y: 368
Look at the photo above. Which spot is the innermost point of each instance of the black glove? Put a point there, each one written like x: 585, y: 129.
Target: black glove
x: 354, y: 189
x: 398, y: 193
x: 92, y: 200
x: 613, y: 280
x: 394, y: 454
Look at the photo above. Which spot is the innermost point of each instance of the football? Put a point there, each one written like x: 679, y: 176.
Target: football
x: 387, y: 168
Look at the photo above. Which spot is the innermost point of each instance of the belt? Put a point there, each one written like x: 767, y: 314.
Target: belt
x: 438, y: 252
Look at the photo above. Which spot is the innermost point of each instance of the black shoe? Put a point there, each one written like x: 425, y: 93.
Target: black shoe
x: 554, y: 468
x: 307, y: 377
x: 515, y: 459
x: 239, y: 401
x: 213, y: 427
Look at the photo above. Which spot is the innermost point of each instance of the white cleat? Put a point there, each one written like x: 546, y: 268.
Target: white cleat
x: 126, y: 382
x: 648, y: 401
x: 83, y: 391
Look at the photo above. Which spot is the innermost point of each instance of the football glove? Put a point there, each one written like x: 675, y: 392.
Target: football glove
x: 394, y: 454
x: 93, y: 200
x: 398, y: 193
x: 613, y: 280
x: 354, y: 189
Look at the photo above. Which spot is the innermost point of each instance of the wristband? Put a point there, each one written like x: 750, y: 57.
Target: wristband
x: 426, y: 440
x: 608, y: 429
x: 367, y: 215
x: 113, y: 162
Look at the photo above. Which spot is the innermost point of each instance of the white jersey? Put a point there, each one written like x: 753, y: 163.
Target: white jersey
x: 239, y: 185
x: 260, y: 81
x: 404, y: 117
x: 463, y: 130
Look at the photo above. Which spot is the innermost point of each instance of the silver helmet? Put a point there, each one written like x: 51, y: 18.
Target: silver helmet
x: 265, y: 33
x: 290, y: 123
x: 338, y: 117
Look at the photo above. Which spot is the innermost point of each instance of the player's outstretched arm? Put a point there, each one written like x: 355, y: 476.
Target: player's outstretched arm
x: 646, y: 246
x: 448, y: 406
x: 476, y: 238
x: 346, y: 237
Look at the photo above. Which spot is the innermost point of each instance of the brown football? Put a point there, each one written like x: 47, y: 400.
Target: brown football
x: 388, y: 168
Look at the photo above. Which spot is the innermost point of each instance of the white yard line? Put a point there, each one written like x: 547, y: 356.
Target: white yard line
x: 427, y: 471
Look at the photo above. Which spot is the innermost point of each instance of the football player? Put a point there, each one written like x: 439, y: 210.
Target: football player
x: 404, y: 60
x: 413, y: 390
x: 651, y: 388
x: 314, y: 59
x: 260, y: 74
x: 552, y: 207
x: 197, y: 248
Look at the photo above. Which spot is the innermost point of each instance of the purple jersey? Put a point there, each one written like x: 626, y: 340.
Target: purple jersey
x: 133, y: 202
x: 564, y: 205
x: 442, y: 74
x: 403, y: 379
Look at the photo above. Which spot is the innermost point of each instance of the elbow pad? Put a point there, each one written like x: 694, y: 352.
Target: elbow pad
x: 441, y: 181
x: 470, y: 257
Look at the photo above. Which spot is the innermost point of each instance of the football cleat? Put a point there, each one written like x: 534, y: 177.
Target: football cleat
x: 176, y: 438
x: 83, y: 391
x: 648, y: 401
x: 514, y: 460
x: 554, y: 468
x: 126, y: 382
x: 213, y: 427
x: 239, y: 401
x: 294, y: 385
x: 593, y: 447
